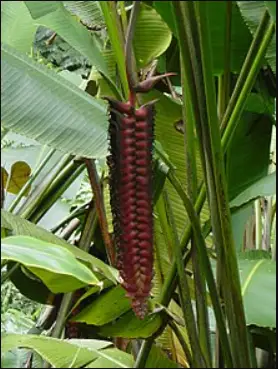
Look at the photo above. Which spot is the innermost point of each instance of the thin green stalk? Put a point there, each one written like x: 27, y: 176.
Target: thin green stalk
x: 218, y: 194
x: 56, y: 190
x: 84, y: 244
x: 123, y: 15
x: 31, y: 180
x: 182, y: 342
x: 191, y: 186
x: 100, y: 209
x: 199, y: 359
x: 38, y: 194
x: 239, y: 103
x: 110, y: 14
x: 170, y: 282
x: 224, y: 79
x: 206, y: 267
x: 74, y: 214
x: 258, y: 215
x: 245, y: 70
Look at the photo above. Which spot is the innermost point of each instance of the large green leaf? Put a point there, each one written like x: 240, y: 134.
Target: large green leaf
x: 252, y: 13
x: 216, y: 14
x: 129, y: 326
x: 53, y: 264
x: 88, y: 11
x: 23, y: 227
x: 266, y: 186
x: 39, y: 104
x: 63, y: 353
x: 147, y: 48
x: 115, y: 359
x: 17, y: 26
x: 107, y: 307
x: 54, y: 15
x: 248, y: 155
x: 258, y: 281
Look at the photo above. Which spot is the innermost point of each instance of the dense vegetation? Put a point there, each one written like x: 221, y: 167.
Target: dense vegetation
x: 212, y: 301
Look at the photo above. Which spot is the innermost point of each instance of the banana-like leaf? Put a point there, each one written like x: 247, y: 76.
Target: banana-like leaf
x: 39, y: 104
x: 106, y: 308
x: 129, y: 326
x: 89, y: 12
x: 252, y: 12
x: 54, y: 265
x: 266, y: 186
x: 258, y: 283
x: 17, y: 26
x: 23, y: 227
x: 114, y: 357
x: 147, y: 48
x: 64, y: 353
x: 53, y: 15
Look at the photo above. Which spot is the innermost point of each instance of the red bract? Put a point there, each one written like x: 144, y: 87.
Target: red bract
x: 130, y: 163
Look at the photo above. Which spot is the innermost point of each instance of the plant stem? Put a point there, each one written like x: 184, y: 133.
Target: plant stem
x: 237, y: 105
x: 198, y: 358
x: 55, y: 191
x: 110, y: 14
x: 258, y: 215
x: 131, y: 75
x: 205, y: 267
x: 76, y: 213
x: 38, y: 194
x: 31, y: 180
x: 123, y: 15
x: 224, y: 79
x: 100, y: 209
x: 245, y: 70
x: 182, y: 342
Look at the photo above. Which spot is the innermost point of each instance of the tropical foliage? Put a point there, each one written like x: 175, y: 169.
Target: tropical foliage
x: 213, y: 300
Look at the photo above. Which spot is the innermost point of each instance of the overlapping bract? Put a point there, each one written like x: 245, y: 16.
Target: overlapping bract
x: 130, y: 162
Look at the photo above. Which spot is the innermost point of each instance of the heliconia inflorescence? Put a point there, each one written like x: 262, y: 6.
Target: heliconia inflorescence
x: 130, y: 163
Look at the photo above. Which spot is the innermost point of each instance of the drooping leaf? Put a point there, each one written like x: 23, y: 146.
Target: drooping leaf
x: 265, y: 186
x: 258, y: 282
x: 20, y: 173
x: 38, y: 103
x: 17, y: 26
x: 62, y: 353
x: 252, y: 13
x: 147, y: 48
x: 23, y: 227
x: 53, y: 264
x: 54, y: 15
x: 107, y: 307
